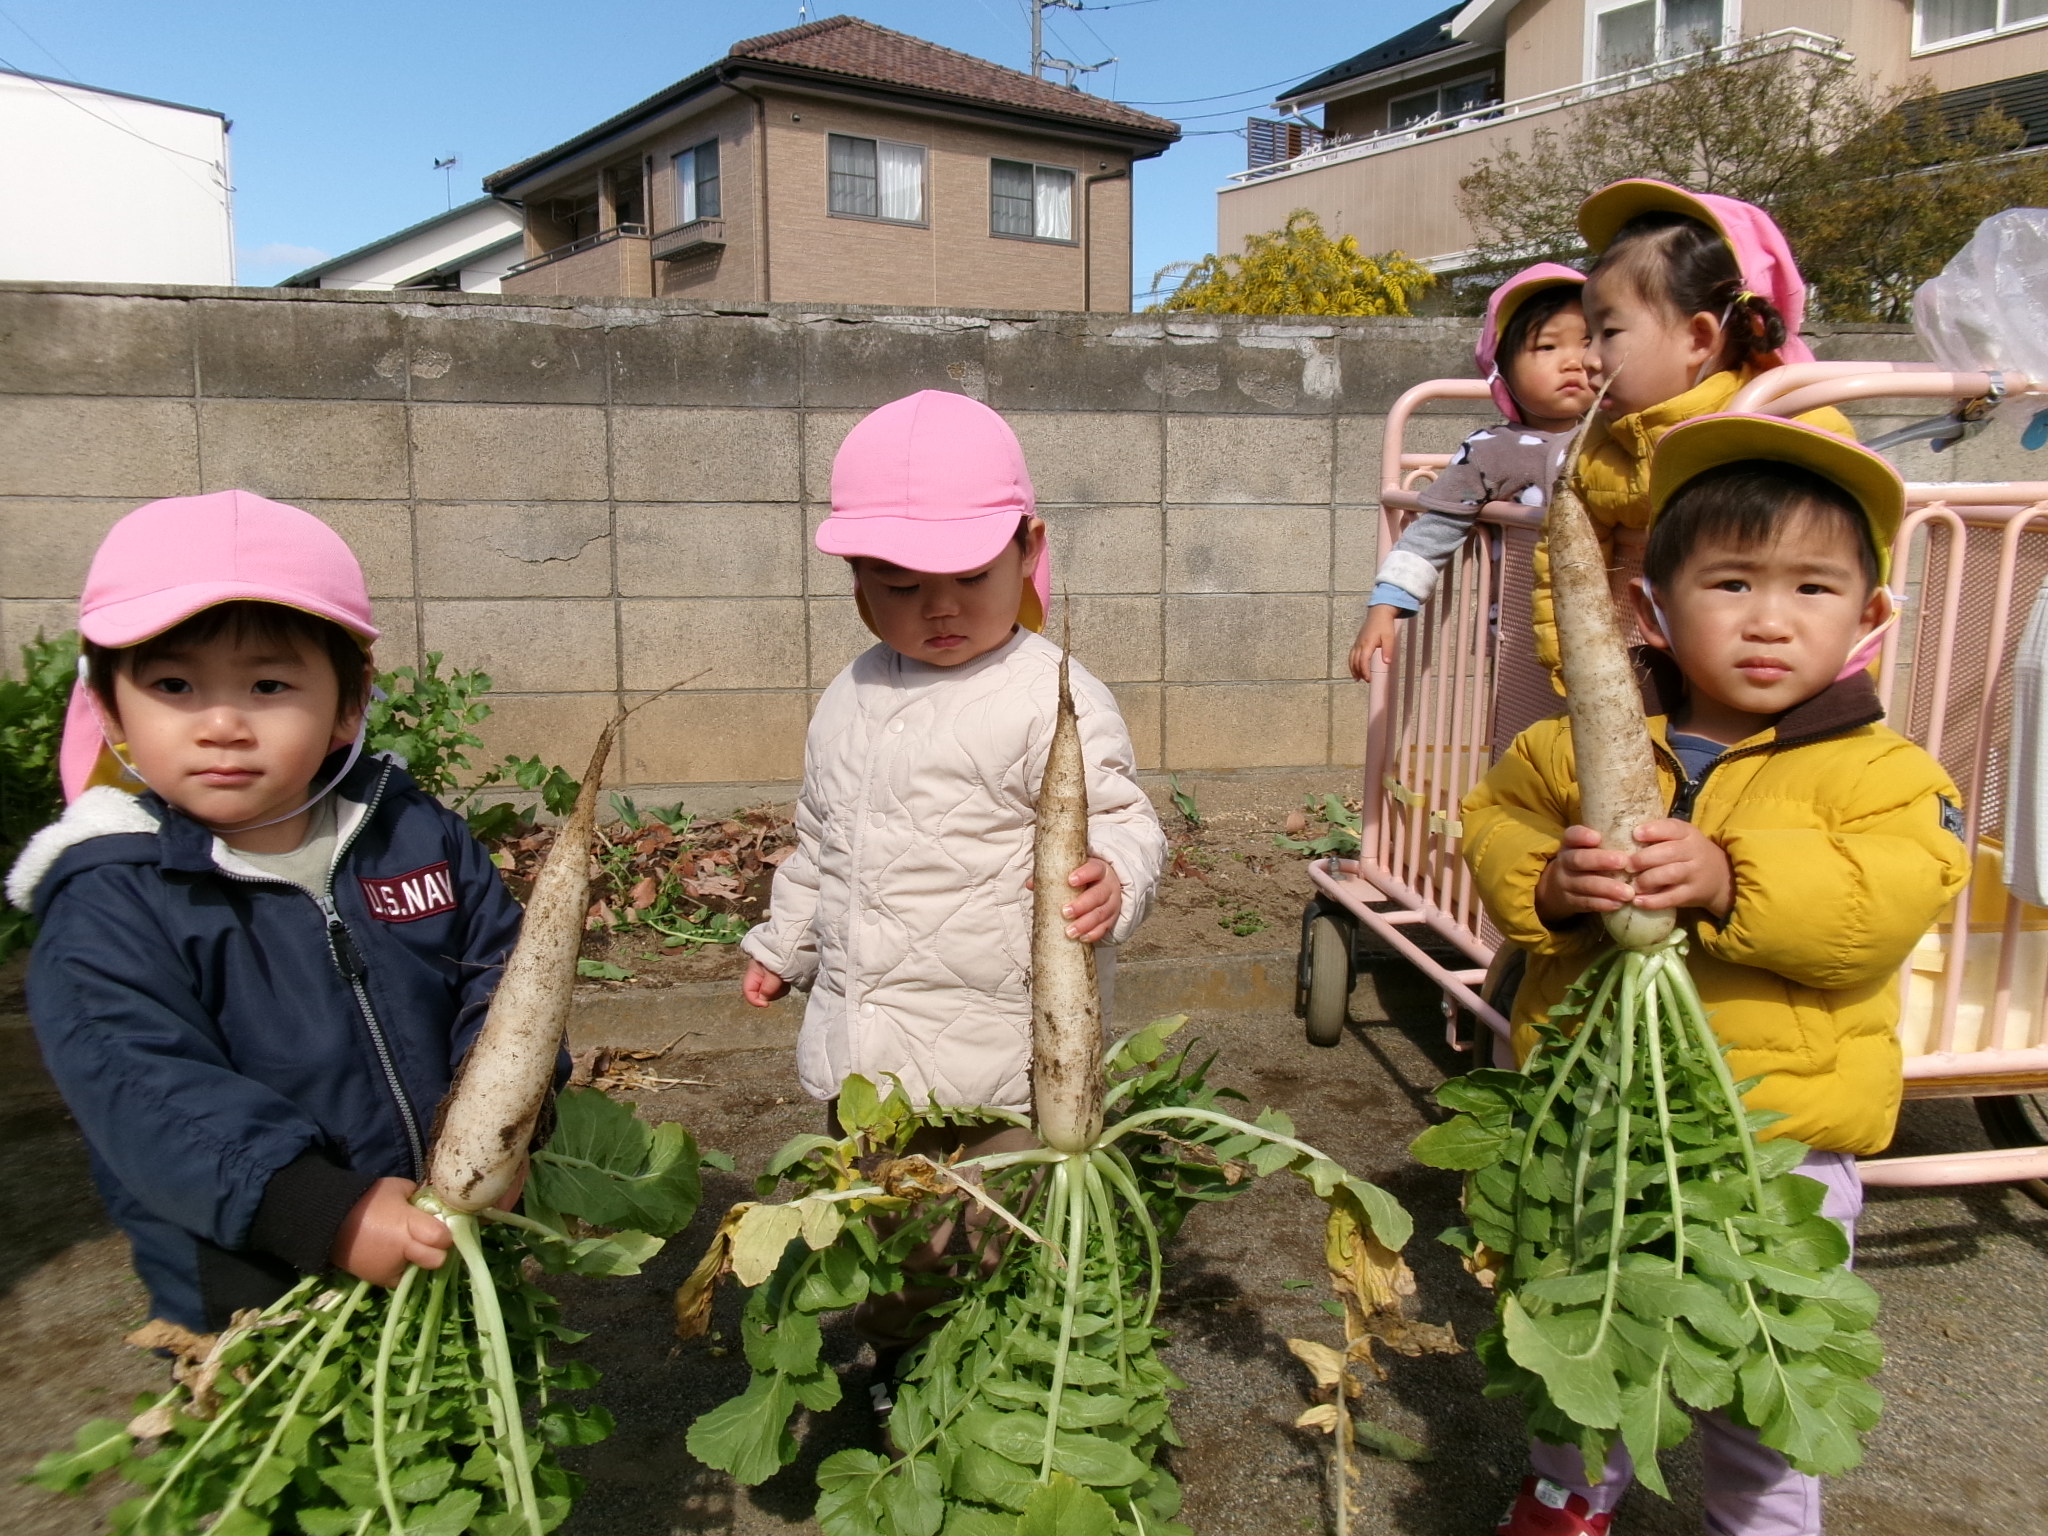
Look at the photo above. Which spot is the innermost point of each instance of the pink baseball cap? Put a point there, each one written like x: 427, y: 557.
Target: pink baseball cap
x: 166, y: 561
x: 1500, y: 309
x: 1762, y: 255
x: 934, y: 482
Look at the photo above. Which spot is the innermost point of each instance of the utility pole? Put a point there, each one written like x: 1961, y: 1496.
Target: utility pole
x: 1041, y: 61
x: 447, y: 169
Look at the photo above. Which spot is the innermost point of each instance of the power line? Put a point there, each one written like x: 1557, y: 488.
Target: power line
x: 1190, y: 101
x: 211, y: 165
x: 38, y: 44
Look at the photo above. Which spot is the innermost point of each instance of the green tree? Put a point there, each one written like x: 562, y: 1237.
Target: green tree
x: 1899, y: 198
x: 1874, y: 189
x: 1295, y: 270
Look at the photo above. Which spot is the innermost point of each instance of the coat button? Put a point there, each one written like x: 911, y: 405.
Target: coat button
x: 896, y: 726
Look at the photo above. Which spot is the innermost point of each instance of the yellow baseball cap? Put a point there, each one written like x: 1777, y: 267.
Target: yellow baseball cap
x: 1693, y: 447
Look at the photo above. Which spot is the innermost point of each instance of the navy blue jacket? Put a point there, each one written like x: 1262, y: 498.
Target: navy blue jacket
x: 245, y: 1059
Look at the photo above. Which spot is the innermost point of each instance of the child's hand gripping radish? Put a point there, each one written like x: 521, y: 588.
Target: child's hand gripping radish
x: 1617, y: 773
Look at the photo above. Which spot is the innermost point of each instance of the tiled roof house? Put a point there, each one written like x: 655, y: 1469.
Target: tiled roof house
x: 843, y: 162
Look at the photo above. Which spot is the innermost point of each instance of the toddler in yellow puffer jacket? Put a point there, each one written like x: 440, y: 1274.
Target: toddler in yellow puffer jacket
x: 1807, y: 849
x: 1690, y: 296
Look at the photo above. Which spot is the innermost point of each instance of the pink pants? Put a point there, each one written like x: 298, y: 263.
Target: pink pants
x: 1750, y: 1490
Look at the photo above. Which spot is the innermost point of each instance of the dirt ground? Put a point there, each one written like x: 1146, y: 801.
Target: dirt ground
x: 1961, y: 1274
x: 1228, y: 889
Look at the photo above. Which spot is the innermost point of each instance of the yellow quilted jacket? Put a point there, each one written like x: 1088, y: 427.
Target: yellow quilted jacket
x: 1613, y: 478
x: 1836, y: 827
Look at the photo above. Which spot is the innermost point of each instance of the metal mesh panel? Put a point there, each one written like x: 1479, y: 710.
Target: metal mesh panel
x: 1946, y: 708
x: 1522, y: 693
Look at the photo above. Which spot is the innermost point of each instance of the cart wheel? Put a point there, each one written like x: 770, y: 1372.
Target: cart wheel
x: 2018, y: 1121
x: 1328, y: 1006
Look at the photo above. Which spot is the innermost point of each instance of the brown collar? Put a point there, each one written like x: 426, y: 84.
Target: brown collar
x: 1839, y: 707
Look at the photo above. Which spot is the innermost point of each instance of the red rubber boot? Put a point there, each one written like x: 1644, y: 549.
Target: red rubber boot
x: 1543, y: 1508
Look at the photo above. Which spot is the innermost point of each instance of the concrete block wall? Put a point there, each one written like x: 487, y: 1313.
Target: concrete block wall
x: 591, y: 499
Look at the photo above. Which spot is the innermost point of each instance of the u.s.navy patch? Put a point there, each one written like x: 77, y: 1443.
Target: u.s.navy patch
x: 1951, y: 816
x: 408, y: 898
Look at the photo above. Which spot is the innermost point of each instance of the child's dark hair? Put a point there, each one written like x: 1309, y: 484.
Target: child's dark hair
x: 245, y: 623
x: 1687, y: 268
x: 1745, y: 504
x: 1527, y: 321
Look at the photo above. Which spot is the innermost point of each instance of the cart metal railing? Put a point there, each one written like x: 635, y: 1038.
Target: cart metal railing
x: 1967, y: 563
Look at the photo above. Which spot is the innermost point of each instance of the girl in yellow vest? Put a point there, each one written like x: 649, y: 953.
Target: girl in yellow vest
x: 1691, y: 296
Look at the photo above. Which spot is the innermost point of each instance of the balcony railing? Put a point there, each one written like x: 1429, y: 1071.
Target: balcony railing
x: 1784, y: 40
x: 588, y: 242
x: 687, y: 240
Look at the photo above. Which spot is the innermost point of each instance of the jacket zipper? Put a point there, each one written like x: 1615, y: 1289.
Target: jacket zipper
x: 348, y: 960
x: 1688, y: 792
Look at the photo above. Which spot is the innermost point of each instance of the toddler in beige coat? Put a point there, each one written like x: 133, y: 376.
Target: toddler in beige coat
x: 905, y: 908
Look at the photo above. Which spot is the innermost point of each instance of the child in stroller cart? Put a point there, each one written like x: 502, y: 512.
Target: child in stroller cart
x: 1531, y: 350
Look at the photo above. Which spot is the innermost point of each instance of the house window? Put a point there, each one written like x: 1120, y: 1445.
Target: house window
x: 1441, y: 101
x: 876, y: 179
x: 1631, y: 36
x: 1030, y: 202
x: 697, y: 183
x: 1936, y: 22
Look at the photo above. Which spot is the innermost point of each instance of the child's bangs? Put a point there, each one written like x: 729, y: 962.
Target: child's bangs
x: 1746, y: 505
x: 1527, y: 322
x: 253, y: 624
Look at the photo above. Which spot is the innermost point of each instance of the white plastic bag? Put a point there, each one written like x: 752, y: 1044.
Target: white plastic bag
x: 1988, y: 308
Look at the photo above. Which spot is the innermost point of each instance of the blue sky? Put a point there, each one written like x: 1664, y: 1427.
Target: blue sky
x: 340, y: 114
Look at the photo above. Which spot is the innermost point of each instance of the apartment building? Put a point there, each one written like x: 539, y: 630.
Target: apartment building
x: 841, y: 162
x: 1404, y: 119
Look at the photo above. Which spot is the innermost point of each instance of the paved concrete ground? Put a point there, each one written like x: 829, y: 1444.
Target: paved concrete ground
x: 1962, y: 1276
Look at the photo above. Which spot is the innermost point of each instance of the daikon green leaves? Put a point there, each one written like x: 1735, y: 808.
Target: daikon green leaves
x: 432, y: 1409
x: 1038, y: 1407
x: 1651, y: 1255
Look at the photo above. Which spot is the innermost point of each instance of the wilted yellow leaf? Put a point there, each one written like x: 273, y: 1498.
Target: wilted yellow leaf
x: 694, y: 1295
x: 1373, y: 1282
x: 823, y: 1221
x: 1323, y: 1416
x: 1324, y: 1363
x: 760, y: 1238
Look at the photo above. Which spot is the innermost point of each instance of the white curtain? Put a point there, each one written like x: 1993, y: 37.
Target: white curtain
x: 686, y: 186
x: 1627, y: 38
x: 900, y: 168
x: 1690, y: 25
x: 1941, y: 20
x: 1055, y: 212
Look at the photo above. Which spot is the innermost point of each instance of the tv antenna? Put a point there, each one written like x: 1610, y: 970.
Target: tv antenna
x: 1041, y: 61
x: 447, y: 169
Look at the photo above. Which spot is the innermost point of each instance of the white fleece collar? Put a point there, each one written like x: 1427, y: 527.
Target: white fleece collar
x: 102, y: 811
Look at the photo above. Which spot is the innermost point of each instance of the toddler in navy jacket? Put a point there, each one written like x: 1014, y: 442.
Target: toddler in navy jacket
x: 262, y: 953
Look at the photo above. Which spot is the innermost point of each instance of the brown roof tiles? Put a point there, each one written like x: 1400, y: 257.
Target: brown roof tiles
x: 861, y: 51
x: 846, y: 45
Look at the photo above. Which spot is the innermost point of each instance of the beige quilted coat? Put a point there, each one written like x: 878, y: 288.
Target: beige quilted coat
x: 904, y: 907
